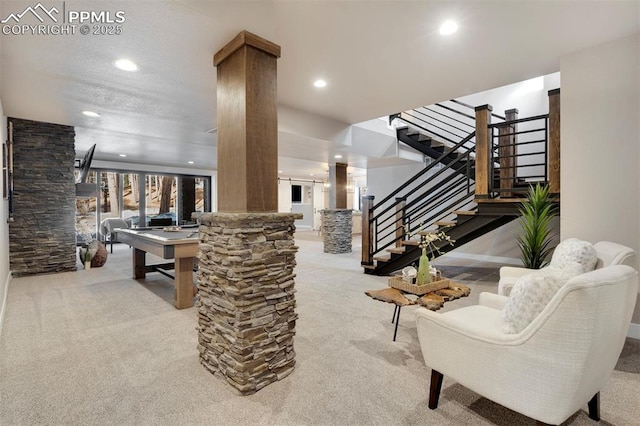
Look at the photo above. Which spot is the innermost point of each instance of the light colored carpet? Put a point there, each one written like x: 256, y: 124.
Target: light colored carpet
x: 96, y: 347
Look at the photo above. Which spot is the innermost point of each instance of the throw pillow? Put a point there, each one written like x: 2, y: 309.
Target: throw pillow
x: 575, y: 250
x: 532, y: 292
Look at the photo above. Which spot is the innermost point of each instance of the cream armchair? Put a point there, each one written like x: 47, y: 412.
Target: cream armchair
x: 108, y: 227
x: 608, y: 254
x: 550, y: 369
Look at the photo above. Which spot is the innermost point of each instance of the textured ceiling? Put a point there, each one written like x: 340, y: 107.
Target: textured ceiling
x: 378, y: 57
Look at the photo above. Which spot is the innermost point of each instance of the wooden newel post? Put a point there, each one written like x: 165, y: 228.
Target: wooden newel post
x: 554, y: 142
x: 483, y: 150
x: 507, y: 151
x: 402, y: 202
x: 367, y: 230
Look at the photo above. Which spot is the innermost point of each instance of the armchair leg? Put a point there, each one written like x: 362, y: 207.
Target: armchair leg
x: 434, y: 391
x: 594, y: 407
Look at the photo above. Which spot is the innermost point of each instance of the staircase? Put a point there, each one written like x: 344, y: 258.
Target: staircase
x: 443, y: 195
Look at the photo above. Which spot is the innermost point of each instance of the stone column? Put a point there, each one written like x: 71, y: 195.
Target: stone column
x: 246, y: 307
x: 42, y: 237
x: 246, y: 315
x: 337, y: 230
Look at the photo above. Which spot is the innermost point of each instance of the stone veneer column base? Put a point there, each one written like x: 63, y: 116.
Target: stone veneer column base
x: 336, y: 230
x: 246, y: 307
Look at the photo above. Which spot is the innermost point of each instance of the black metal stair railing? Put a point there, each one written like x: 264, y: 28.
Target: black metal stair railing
x: 448, y: 121
x: 429, y: 196
x: 520, y: 155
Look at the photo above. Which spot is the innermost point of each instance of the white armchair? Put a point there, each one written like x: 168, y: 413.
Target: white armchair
x: 551, y: 368
x: 108, y: 227
x: 609, y: 253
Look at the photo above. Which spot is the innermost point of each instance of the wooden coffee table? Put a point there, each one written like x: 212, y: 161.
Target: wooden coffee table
x: 432, y: 301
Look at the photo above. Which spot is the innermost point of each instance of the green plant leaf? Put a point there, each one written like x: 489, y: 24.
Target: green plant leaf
x: 535, y: 238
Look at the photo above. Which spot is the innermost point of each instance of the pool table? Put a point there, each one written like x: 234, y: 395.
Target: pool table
x: 180, y: 245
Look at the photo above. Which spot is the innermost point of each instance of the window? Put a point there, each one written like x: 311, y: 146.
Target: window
x: 296, y: 193
x: 131, y: 195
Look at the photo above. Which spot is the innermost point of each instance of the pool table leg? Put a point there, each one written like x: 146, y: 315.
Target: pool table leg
x: 184, y: 282
x: 139, y: 270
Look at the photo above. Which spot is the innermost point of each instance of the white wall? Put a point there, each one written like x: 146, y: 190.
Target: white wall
x: 381, y: 181
x: 600, y: 145
x: 529, y: 97
x: 5, y: 273
x: 313, y: 200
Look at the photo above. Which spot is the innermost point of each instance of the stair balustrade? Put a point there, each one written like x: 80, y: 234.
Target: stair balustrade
x: 473, y: 160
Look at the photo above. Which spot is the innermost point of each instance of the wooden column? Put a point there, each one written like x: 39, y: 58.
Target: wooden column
x: 554, y: 142
x: 507, y: 151
x: 483, y: 150
x: 367, y: 230
x: 400, y: 234
x: 338, y: 188
x: 187, y: 198
x: 247, y: 119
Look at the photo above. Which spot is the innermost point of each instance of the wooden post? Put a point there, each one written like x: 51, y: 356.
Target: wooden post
x: 247, y: 119
x: 367, y: 230
x: 483, y: 150
x: 554, y: 142
x: 507, y: 151
x: 338, y: 188
x: 183, y: 282
x: 400, y: 234
x: 187, y: 198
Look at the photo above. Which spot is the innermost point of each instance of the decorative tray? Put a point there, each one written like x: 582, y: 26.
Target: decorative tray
x: 437, y: 283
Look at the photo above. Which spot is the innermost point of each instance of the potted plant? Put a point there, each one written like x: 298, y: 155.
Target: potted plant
x: 427, y: 242
x: 535, y: 239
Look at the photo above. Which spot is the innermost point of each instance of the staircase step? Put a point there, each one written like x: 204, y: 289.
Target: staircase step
x: 464, y: 213
x: 397, y: 250
x: 410, y: 243
x: 381, y: 258
x: 500, y: 200
x: 427, y: 231
x: 371, y: 267
x: 445, y: 223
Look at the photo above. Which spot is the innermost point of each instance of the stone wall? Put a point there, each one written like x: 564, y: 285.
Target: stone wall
x: 246, y: 307
x: 42, y: 235
x: 336, y: 230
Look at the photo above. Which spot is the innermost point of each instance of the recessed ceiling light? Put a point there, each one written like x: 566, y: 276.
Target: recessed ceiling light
x: 125, y: 65
x: 190, y: 162
x: 310, y: 174
x: 91, y: 114
x: 337, y: 156
x: 448, y: 27
x: 123, y: 155
x: 279, y: 171
x: 320, y: 83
